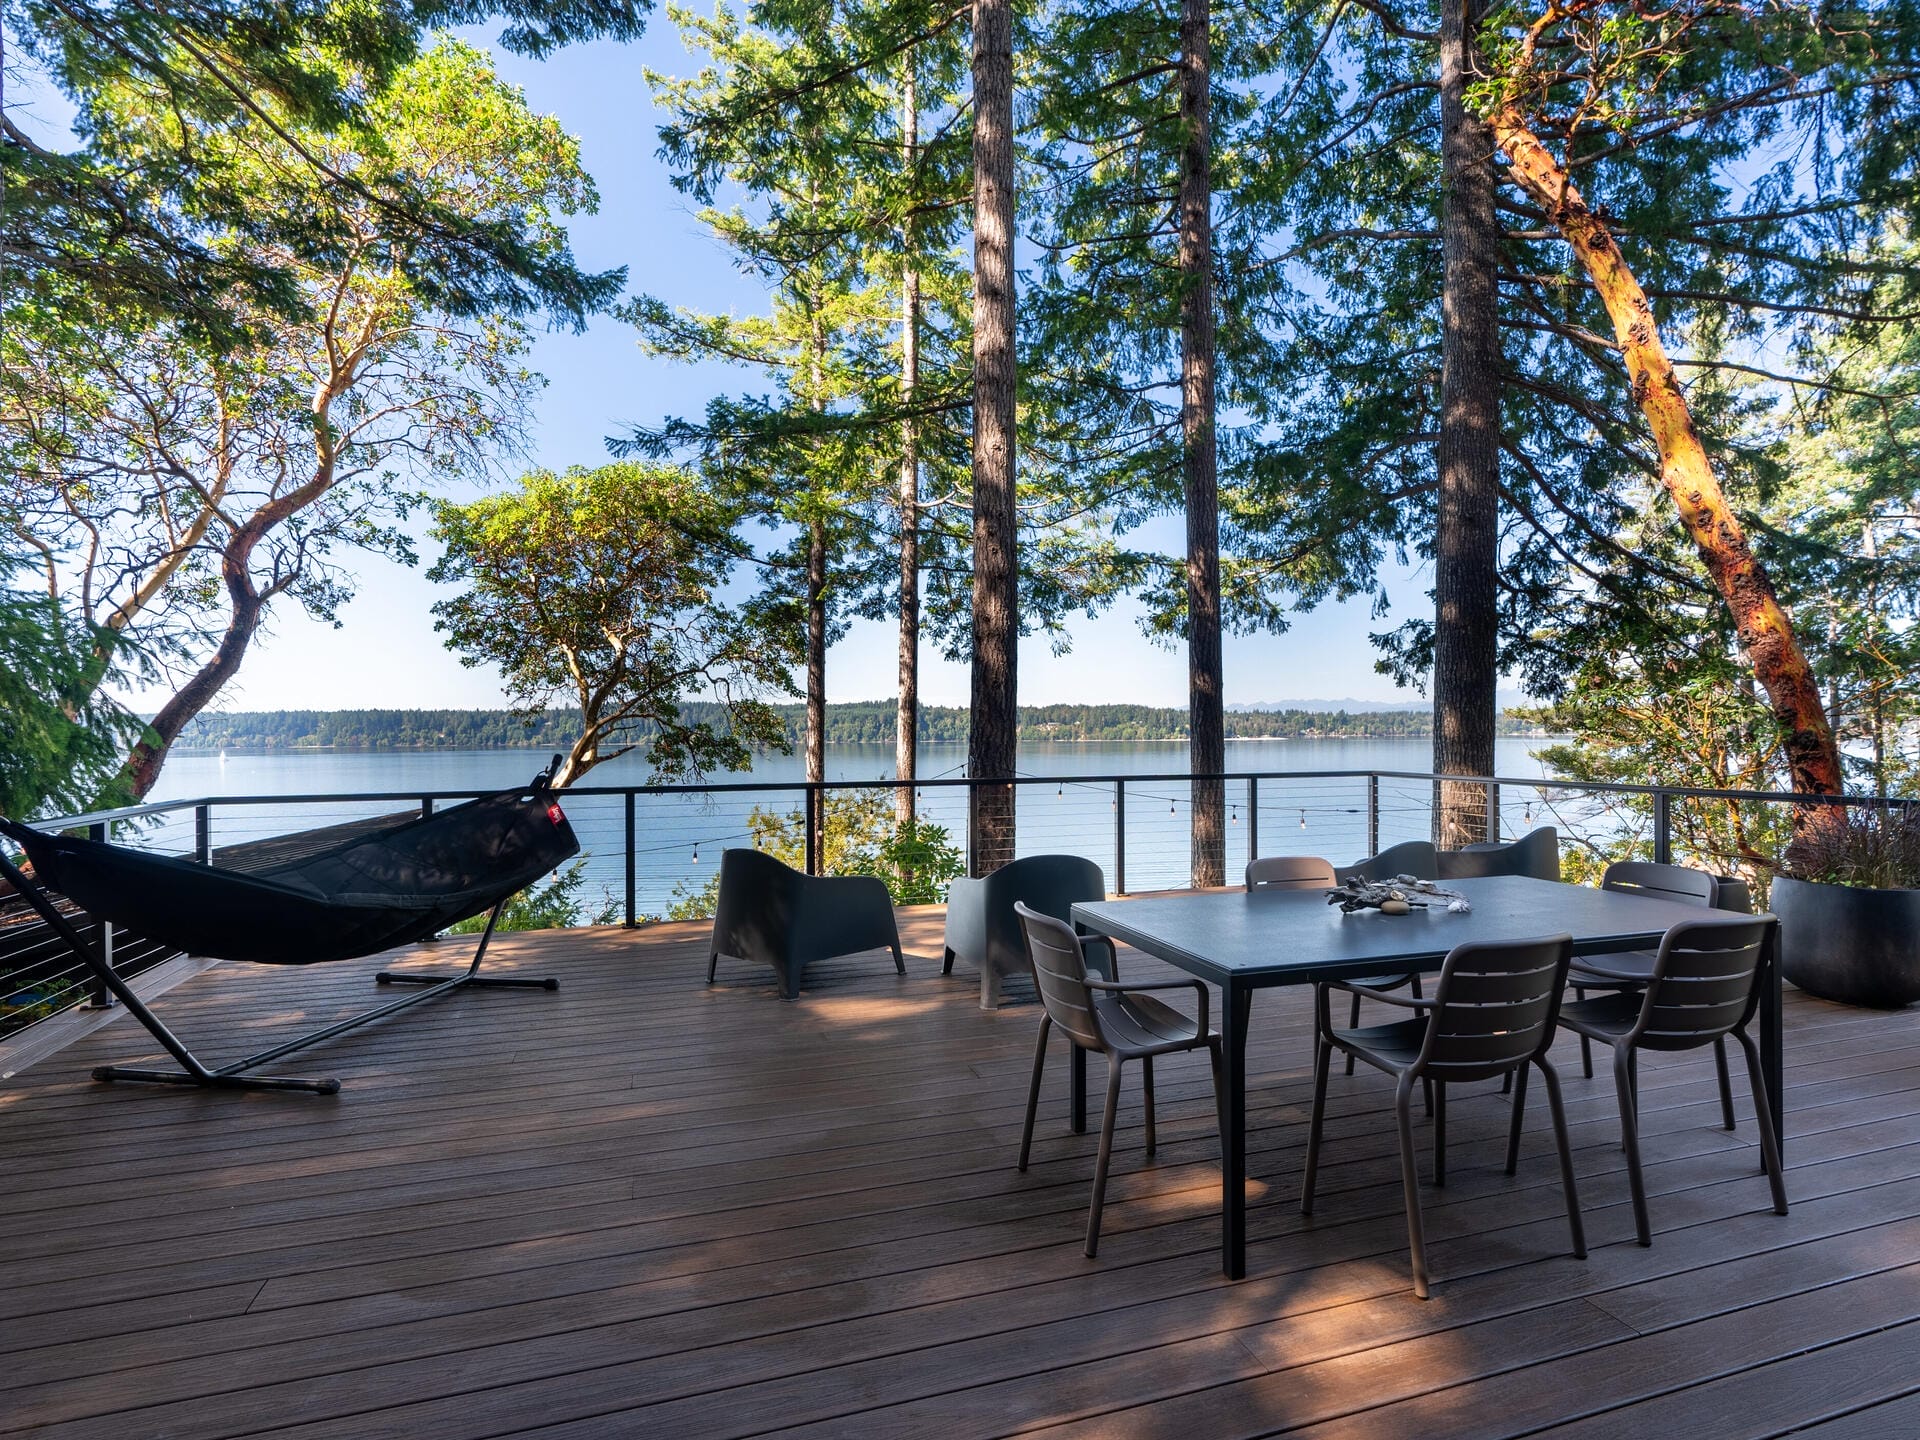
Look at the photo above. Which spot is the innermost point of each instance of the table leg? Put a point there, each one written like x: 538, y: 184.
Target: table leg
x: 1772, y: 1057
x: 1077, y: 1083
x: 1236, y: 1006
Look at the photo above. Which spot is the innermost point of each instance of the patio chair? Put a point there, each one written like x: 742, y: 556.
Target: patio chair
x: 1411, y: 857
x: 1704, y: 986
x: 1683, y: 886
x: 983, y: 930
x: 1492, y: 1013
x: 1310, y: 872
x: 773, y: 914
x: 1119, y: 1021
x: 1537, y: 853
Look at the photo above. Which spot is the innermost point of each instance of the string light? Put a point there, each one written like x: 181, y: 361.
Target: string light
x: 1529, y: 813
x: 1060, y: 789
x: 696, y: 852
x: 1235, y: 812
x: 1169, y: 807
x: 1303, y: 819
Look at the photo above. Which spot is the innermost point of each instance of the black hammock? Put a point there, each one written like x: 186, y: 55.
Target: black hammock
x: 391, y: 886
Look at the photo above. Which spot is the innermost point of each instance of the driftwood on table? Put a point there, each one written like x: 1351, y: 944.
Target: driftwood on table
x: 1398, y: 896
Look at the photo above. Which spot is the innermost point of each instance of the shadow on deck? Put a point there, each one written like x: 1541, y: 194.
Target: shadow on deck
x: 641, y: 1206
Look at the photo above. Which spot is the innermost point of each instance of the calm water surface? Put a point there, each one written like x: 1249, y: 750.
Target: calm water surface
x: 678, y: 839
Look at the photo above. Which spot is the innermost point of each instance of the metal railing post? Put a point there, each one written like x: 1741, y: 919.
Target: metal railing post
x: 1253, y: 818
x: 1119, y: 837
x: 1493, y: 812
x: 632, y: 918
x: 813, y: 828
x: 1662, y: 828
x: 203, y: 834
x: 1373, y: 813
x: 99, y: 997
x: 426, y: 807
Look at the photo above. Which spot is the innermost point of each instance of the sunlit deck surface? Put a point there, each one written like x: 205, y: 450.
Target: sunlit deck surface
x: 643, y: 1207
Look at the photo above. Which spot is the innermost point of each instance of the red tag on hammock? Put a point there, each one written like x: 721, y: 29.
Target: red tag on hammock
x: 555, y: 815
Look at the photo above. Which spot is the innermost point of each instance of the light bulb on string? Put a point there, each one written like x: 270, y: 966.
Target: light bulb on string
x: 696, y: 852
x: 1303, y: 819
x: 1169, y: 807
x: 1529, y: 813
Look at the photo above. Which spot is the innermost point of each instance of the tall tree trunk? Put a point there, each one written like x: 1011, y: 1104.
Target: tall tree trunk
x: 1206, y: 721
x: 1466, y: 538
x: 815, y: 744
x: 816, y: 738
x: 1765, y: 630
x: 993, y: 729
x: 906, y: 742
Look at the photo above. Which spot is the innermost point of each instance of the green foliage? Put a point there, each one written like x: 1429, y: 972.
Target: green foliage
x: 599, y: 585
x: 859, y: 836
x: 177, y: 488
x: 60, y: 740
x: 553, y: 906
x: 137, y: 217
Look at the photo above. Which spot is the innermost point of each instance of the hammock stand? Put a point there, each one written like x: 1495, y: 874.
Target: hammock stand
x: 534, y: 845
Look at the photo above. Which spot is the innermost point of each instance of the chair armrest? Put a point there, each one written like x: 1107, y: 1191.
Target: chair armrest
x: 1198, y: 986
x: 1407, y: 1002
x: 1113, y: 951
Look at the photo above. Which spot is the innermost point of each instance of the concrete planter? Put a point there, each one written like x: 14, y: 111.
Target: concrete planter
x: 1847, y: 943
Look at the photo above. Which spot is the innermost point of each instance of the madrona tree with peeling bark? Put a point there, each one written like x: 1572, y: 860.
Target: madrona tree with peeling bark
x: 171, y: 490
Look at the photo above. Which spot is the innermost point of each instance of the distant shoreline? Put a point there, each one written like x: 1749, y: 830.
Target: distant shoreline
x: 859, y: 723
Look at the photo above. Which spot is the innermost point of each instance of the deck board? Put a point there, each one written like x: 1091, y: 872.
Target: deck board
x: 643, y: 1206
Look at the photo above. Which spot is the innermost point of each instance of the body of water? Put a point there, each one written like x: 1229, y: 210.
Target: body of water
x: 678, y: 839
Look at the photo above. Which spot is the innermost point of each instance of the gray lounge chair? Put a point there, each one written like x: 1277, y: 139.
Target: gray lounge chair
x: 774, y: 915
x: 1410, y: 857
x: 1537, y: 853
x: 983, y: 929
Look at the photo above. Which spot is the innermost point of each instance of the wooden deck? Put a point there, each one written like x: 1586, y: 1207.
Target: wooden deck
x: 642, y: 1207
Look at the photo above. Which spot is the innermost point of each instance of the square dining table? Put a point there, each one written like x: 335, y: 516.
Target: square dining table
x: 1243, y: 941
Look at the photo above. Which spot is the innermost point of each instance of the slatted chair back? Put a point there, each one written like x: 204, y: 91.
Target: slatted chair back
x: 1703, y: 984
x: 1060, y: 971
x: 1681, y: 884
x: 1290, y: 872
x: 1494, y: 1007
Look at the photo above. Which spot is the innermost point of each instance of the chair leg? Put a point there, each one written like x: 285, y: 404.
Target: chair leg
x: 1586, y: 1045
x: 1763, y: 1114
x: 1353, y: 1023
x: 1726, y: 1084
x: 1574, y: 1226
x: 1519, y: 1079
x: 1440, y: 1132
x: 1033, y: 1089
x: 946, y: 965
x: 1146, y: 1080
x: 1322, y: 1063
x: 899, y: 960
x: 1410, y: 1184
x: 1630, y: 1141
x: 1217, y: 1058
x: 713, y: 964
x: 1106, y: 1155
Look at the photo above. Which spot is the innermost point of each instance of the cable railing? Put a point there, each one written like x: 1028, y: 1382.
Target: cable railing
x: 652, y: 852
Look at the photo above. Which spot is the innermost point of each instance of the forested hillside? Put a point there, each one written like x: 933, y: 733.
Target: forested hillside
x: 865, y: 722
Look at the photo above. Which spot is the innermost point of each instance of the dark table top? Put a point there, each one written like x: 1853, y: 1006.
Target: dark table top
x: 1282, y: 937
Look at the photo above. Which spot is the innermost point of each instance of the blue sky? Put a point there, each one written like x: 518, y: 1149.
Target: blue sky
x: 385, y: 652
